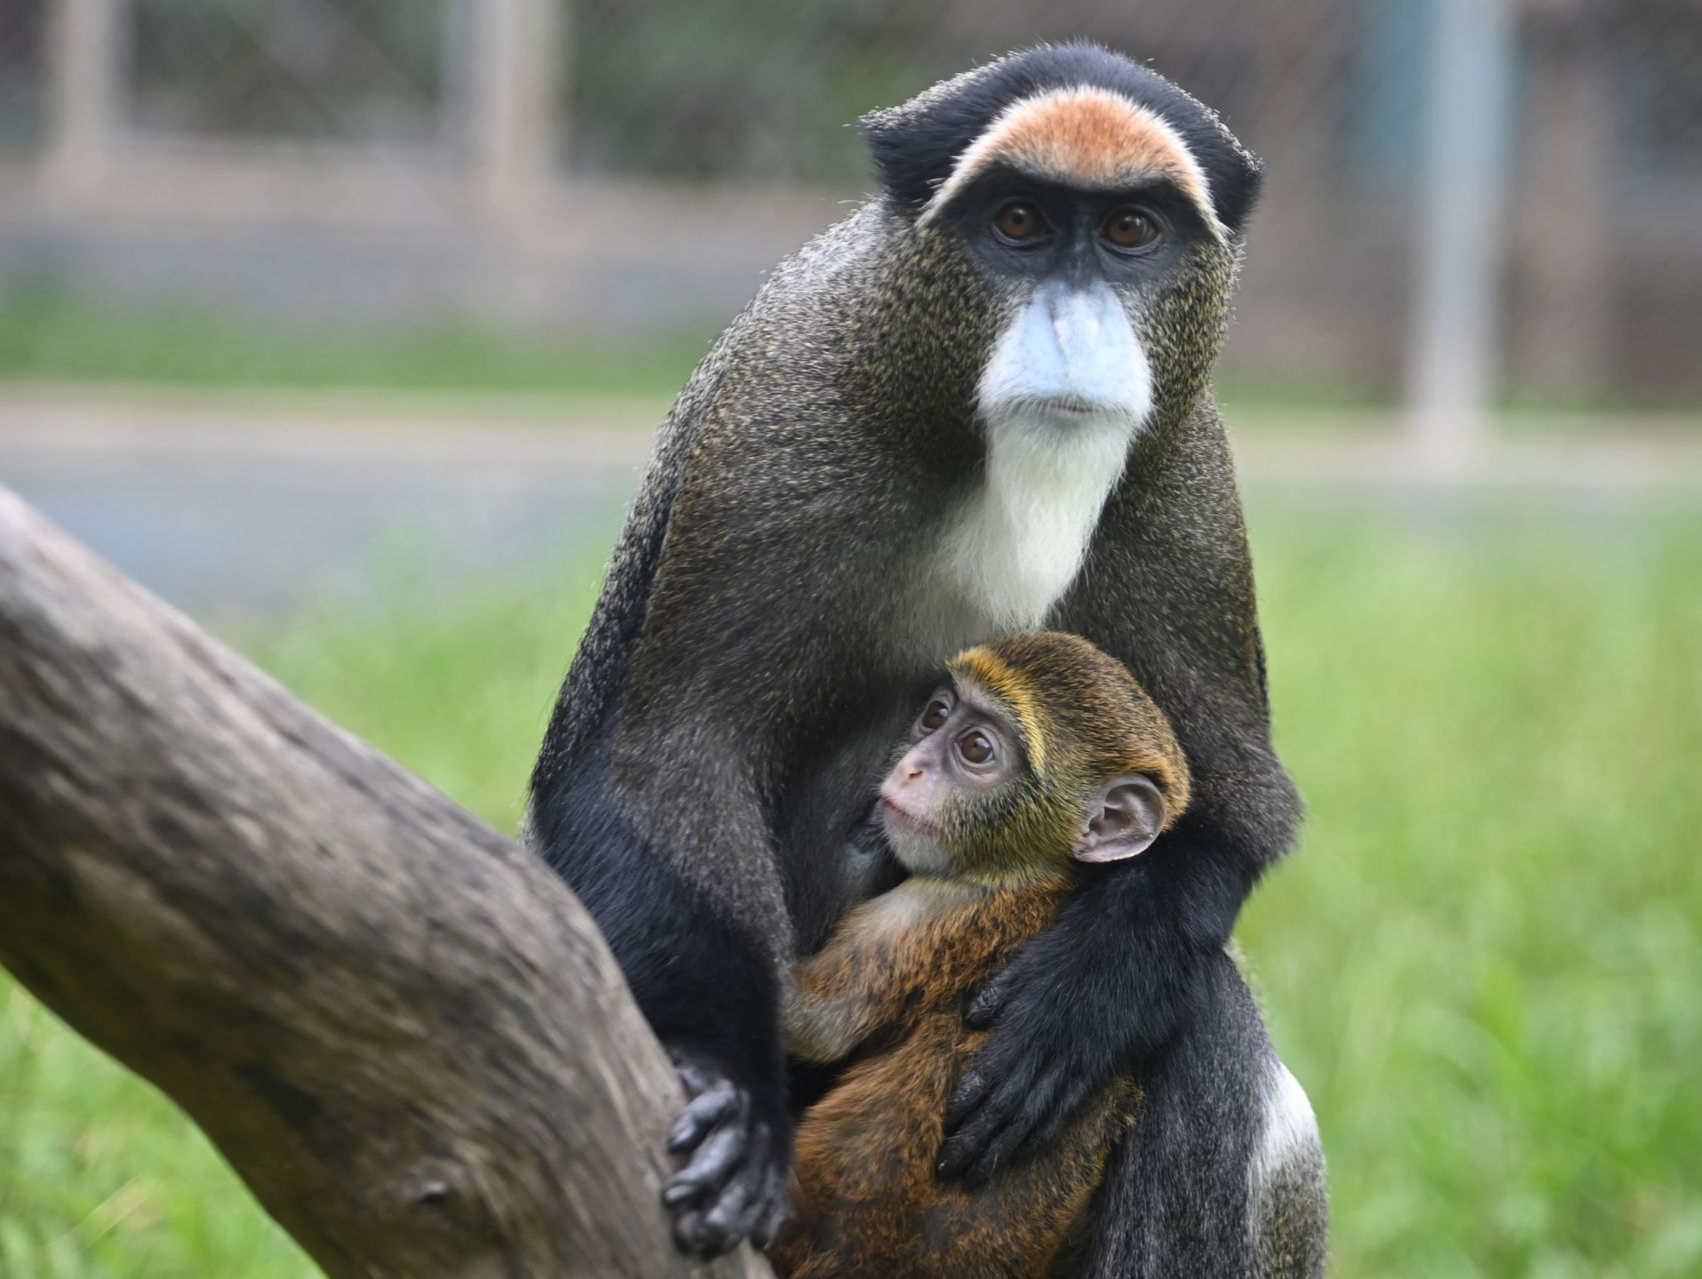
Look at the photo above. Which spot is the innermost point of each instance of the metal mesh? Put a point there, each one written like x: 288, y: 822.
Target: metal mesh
x: 328, y: 69
x: 1600, y: 274
x: 1603, y: 255
x: 667, y: 89
x: 22, y: 35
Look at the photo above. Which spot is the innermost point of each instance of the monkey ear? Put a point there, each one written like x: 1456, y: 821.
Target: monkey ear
x: 1124, y: 816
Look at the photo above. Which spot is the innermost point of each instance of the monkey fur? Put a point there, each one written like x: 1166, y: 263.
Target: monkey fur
x: 885, y: 994
x: 890, y: 984
x: 843, y: 496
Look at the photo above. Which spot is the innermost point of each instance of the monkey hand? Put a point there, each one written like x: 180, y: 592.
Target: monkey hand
x: 738, y: 1162
x: 1025, y: 1083
x: 1064, y: 1024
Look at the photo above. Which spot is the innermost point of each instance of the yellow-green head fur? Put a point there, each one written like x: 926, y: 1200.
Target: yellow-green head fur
x: 1082, y: 720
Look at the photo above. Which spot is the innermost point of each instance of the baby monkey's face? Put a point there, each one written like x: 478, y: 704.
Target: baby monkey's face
x: 964, y: 800
x: 962, y: 759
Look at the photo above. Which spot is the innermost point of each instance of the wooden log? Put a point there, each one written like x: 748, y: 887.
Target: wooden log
x: 404, y: 1033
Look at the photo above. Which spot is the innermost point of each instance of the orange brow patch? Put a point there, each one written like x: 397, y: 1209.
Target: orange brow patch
x: 1010, y: 689
x: 1084, y: 137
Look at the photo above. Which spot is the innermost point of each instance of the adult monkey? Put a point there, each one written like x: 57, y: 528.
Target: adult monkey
x: 977, y: 404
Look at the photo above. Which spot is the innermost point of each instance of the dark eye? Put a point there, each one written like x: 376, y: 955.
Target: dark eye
x: 1130, y: 229
x: 976, y: 747
x: 934, y: 715
x: 1018, y: 220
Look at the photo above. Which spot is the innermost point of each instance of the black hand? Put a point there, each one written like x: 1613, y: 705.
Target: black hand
x: 1093, y: 996
x: 1028, y: 1079
x: 738, y: 1159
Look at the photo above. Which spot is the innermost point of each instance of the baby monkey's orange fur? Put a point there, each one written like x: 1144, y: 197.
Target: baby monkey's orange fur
x: 888, y: 992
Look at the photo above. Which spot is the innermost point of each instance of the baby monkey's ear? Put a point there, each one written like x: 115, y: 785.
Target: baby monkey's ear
x: 1124, y: 816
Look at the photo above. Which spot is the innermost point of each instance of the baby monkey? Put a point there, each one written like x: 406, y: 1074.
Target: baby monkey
x: 1039, y: 754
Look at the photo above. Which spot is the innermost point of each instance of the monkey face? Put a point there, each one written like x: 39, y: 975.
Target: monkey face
x: 1104, y: 297
x: 974, y: 797
x: 1070, y: 269
x: 1103, y: 217
x: 962, y: 762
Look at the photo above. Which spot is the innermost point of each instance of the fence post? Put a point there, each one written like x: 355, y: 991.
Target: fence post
x: 83, y: 38
x: 1455, y: 327
x: 509, y: 89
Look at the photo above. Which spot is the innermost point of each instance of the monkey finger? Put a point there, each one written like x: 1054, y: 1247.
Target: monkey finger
x: 709, y: 1168
x: 990, y: 1001
x: 1067, y: 1098
x: 964, y: 1145
x: 702, y: 1113
x: 773, y: 1218
x: 961, y: 1151
x: 999, y: 1151
x: 705, y: 1239
x: 731, y: 1217
x: 971, y: 1091
x: 1013, y: 1114
x: 685, y: 1231
x: 676, y: 1192
x: 987, y: 1142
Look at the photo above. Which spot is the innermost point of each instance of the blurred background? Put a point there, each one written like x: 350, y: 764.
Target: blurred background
x: 343, y: 324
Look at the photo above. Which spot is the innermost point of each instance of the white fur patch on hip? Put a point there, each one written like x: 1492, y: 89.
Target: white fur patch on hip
x: 1290, y: 1130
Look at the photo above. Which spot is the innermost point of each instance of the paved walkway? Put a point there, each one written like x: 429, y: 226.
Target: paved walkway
x: 256, y: 505
x: 227, y: 501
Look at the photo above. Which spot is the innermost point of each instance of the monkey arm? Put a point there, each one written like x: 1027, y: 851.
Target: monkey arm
x: 870, y: 973
x: 654, y: 802
x: 1223, y: 1175
x: 709, y: 987
x: 1110, y: 985
x: 827, y: 1012
x: 1103, y: 991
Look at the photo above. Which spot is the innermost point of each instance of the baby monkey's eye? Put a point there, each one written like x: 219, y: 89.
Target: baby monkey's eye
x: 936, y: 714
x: 976, y: 747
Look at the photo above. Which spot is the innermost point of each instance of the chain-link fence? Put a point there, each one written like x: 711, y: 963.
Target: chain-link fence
x: 594, y: 107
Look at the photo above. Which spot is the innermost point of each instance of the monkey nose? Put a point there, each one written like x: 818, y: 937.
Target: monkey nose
x: 903, y: 777
x: 1075, y: 322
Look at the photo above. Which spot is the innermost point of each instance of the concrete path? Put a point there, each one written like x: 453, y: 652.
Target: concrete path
x: 254, y: 503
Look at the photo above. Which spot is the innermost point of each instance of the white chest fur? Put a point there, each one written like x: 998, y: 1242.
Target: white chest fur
x: 1064, y: 391
x: 1008, y: 553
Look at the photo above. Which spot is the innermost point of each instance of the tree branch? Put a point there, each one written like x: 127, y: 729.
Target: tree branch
x: 405, y: 1034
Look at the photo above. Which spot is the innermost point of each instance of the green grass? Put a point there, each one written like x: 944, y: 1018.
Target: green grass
x: 49, y: 334
x: 1485, y: 963
x: 52, y: 336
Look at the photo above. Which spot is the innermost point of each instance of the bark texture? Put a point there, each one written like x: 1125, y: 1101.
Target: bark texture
x: 404, y: 1033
